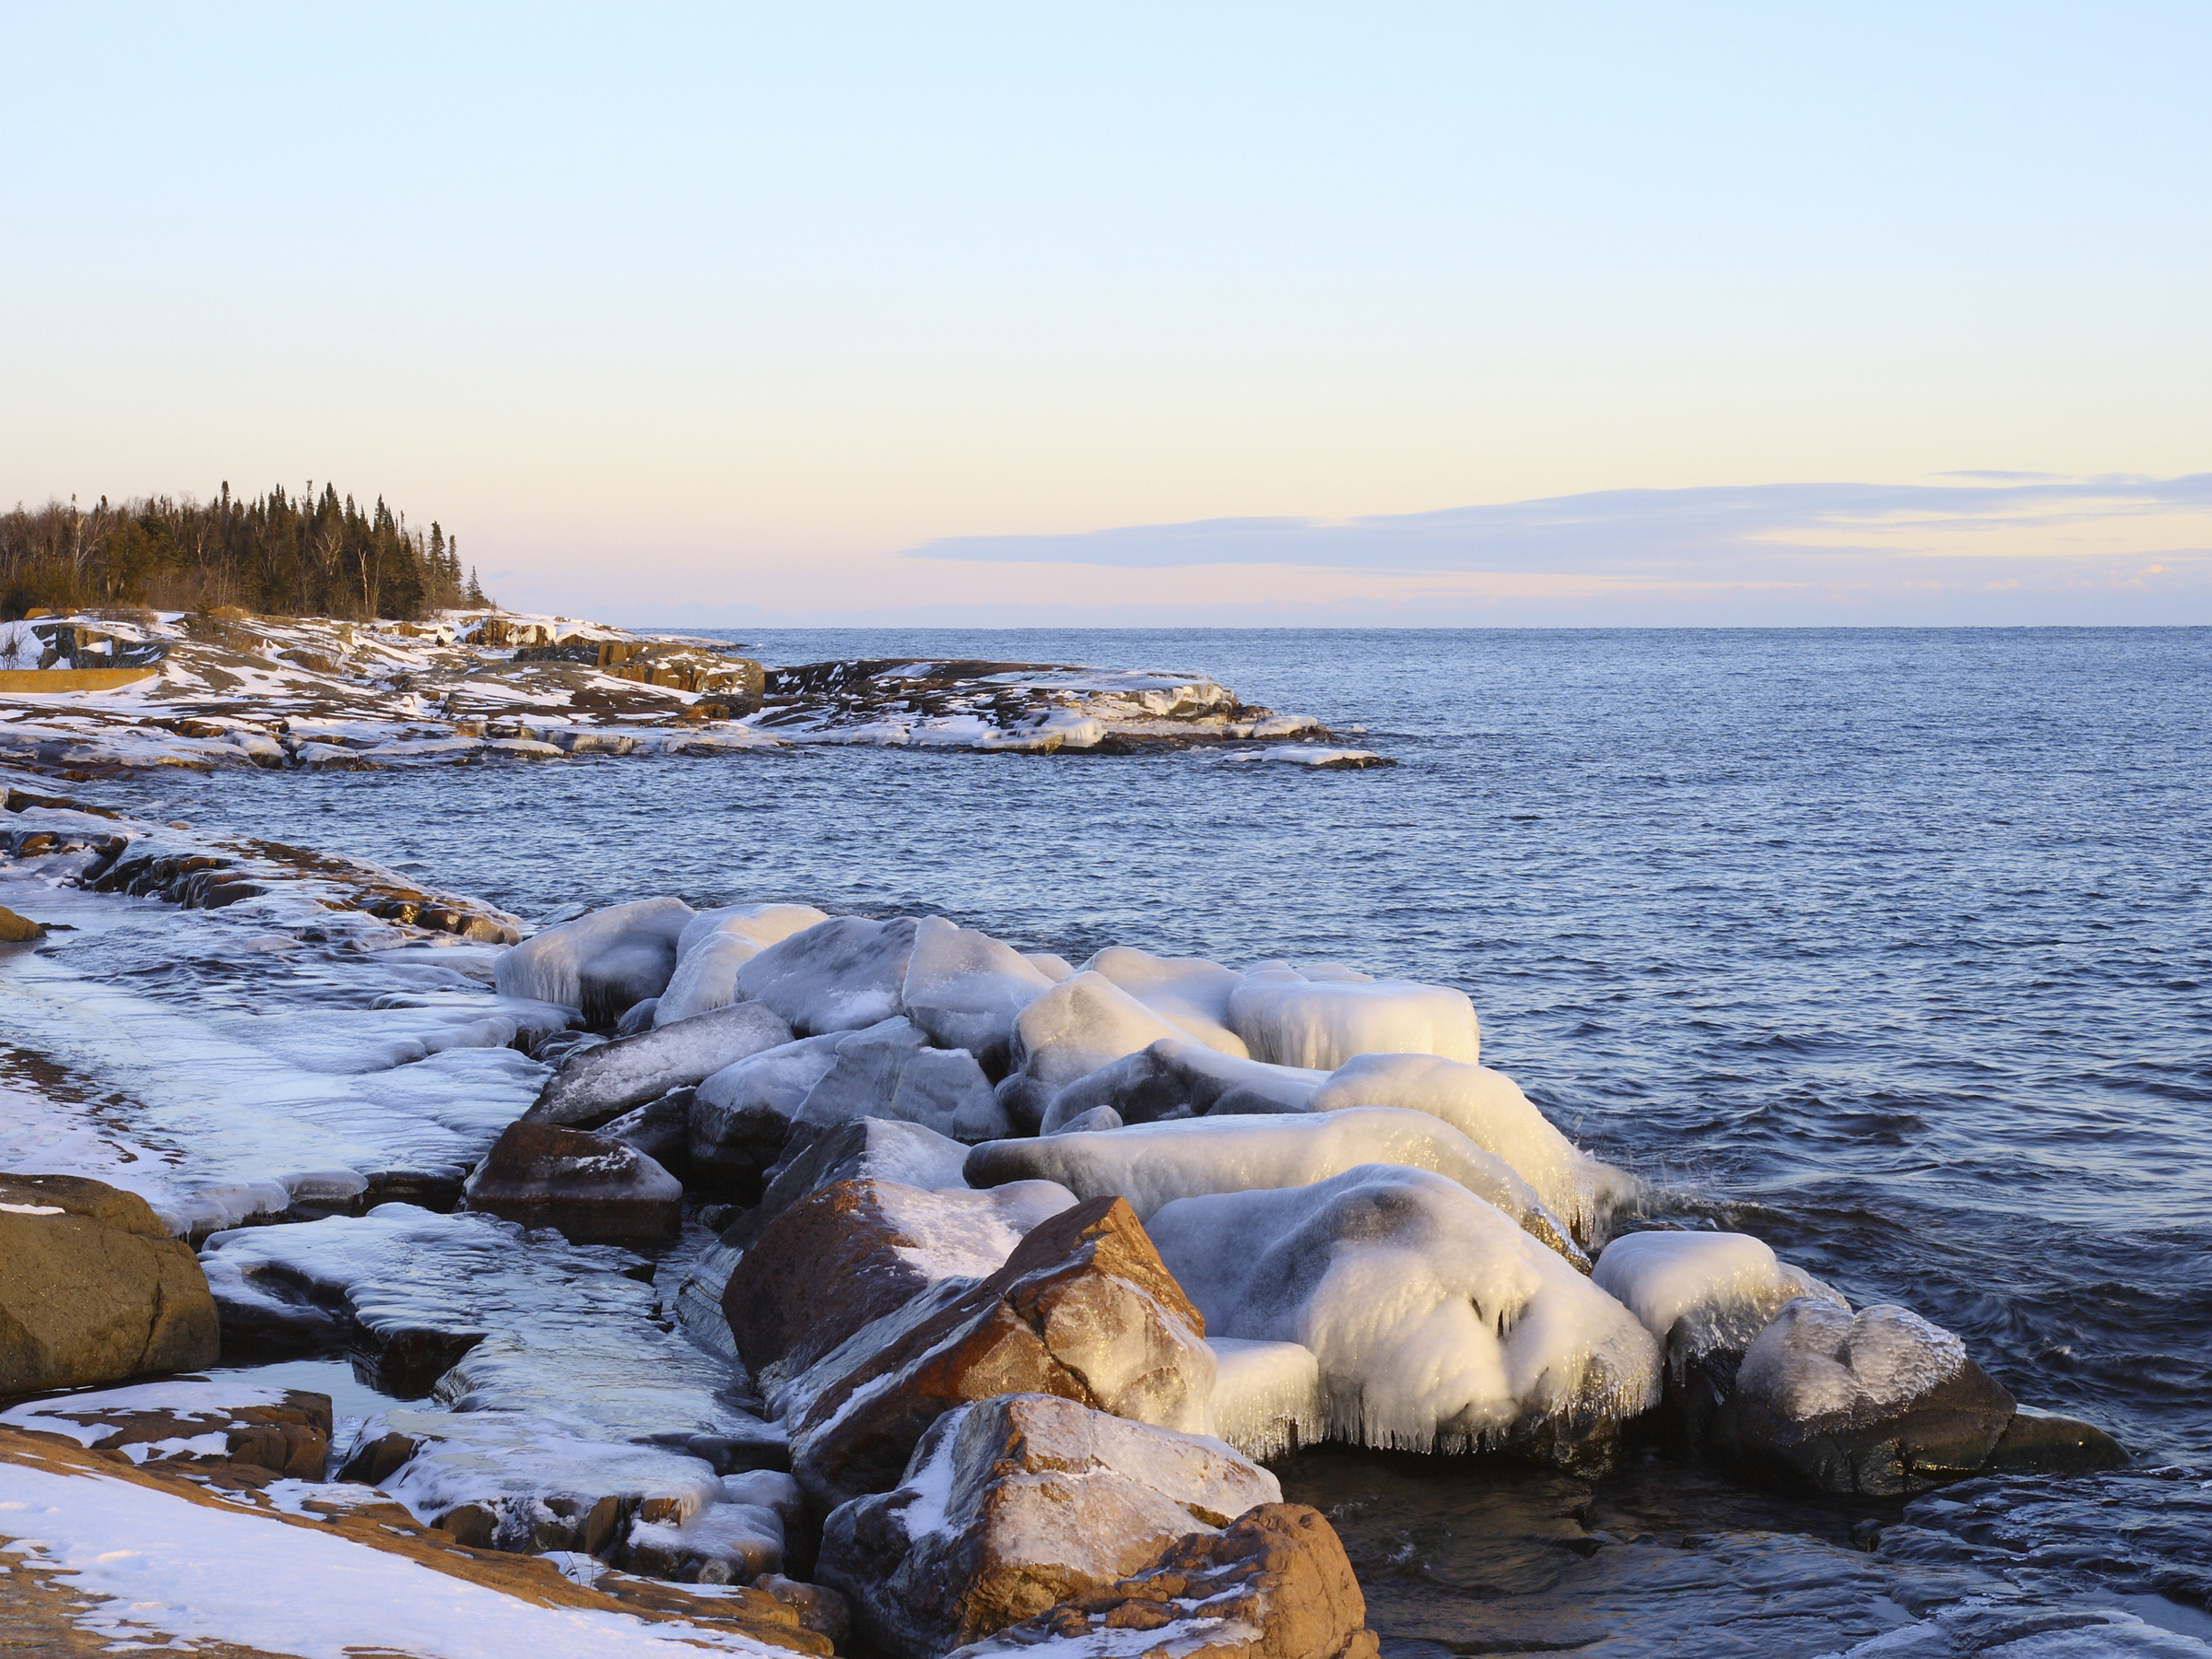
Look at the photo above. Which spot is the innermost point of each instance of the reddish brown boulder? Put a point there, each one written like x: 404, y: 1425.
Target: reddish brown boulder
x: 1275, y: 1584
x: 94, y: 1289
x: 1083, y: 1308
x: 596, y: 1191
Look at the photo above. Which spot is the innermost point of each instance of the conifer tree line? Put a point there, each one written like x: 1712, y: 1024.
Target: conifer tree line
x: 285, y: 555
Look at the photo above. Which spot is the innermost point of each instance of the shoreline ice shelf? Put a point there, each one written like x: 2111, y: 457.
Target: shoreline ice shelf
x: 476, y: 687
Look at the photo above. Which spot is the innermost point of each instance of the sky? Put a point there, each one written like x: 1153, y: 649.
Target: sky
x: 1221, y: 315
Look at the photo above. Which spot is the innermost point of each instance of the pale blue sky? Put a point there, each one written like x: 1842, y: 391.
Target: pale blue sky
x: 739, y: 306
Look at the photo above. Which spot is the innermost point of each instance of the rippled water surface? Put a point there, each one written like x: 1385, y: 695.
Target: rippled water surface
x: 1890, y: 946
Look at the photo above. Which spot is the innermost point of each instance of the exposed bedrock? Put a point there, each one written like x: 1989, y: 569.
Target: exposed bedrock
x: 853, y: 1251
x: 283, y: 1431
x: 1082, y: 1308
x: 1880, y: 1403
x: 1017, y: 1503
x: 601, y: 1083
x: 92, y: 1288
x: 596, y: 1191
x: 1274, y: 1584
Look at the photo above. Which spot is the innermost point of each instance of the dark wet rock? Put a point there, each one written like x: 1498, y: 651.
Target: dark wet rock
x: 92, y: 1288
x: 1083, y: 1308
x: 1879, y: 1405
x: 594, y: 1190
x: 602, y: 1083
x: 660, y: 1129
x: 818, y: 1608
x: 861, y: 1149
x: 2043, y: 1442
x: 1274, y: 1584
x: 852, y: 1252
x: 1014, y: 1504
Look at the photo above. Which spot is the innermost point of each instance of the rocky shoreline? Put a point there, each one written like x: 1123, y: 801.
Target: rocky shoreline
x: 848, y: 1284
x: 229, y: 688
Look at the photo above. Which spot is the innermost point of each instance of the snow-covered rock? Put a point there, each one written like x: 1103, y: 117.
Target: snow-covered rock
x: 1015, y: 1503
x: 1188, y: 991
x: 1488, y: 1108
x: 838, y: 975
x: 1437, y: 1322
x: 284, y: 1430
x: 861, y: 1149
x: 1178, y: 1079
x: 1877, y: 1402
x: 602, y: 1083
x: 1154, y: 1164
x: 888, y: 1070
x: 729, y: 1534
x: 1294, y: 1017
x: 742, y: 1114
x: 964, y: 989
x: 1082, y: 1308
x: 601, y: 963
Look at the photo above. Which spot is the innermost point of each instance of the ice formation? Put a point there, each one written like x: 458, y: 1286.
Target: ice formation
x: 888, y: 1070
x: 1082, y: 1023
x: 1488, y: 1108
x: 715, y: 943
x: 965, y: 989
x: 1155, y: 1164
x: 1267, y: 1397
x: 1187, y: 991
x: 838, y: 975
x: 1295, y: 1018
x: 1699, y: 1292
x: 600, y: 1082
x: 1437, y: 1324
x: 602, y: 962
x: 1817, y: 1359
x: 1177, y: 1078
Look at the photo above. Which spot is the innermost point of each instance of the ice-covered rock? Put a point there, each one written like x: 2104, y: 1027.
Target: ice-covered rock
x: 601, y: 963
x: 1018, y: 1502
x: 854, y: 1251
x: 862, y: 1149
x: 1084, y: 1022
x: 889, y: 1070
x: 734, y: 1536
x: 1267, y: 1397
x: 660, y: 1129
x: 1488, y: 1108
x: 1082, y: 1308
x: 838, y: 975
x: 1153, y: 1164
x: 742, y: 1114
x: 604, y: 1082
x: 1178, y: 1079
x: 1437, y: 1322
x: 1877, y: 1402
x: 1274, y: 1584
x: 715, y: 943
x: 1188, y: 991
x: 964, y: 989
x: 1295, y: 1018
x: 1095, y: 1121
x: 92, y: 1288
x: 594, y: 1190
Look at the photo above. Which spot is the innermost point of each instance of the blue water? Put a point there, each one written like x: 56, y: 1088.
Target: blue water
x: 1891, y: 946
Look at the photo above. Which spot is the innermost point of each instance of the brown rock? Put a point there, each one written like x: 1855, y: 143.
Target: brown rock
x: 290, y: 1438
x: 94, y: 1288
x: 1016, y: 1505
x: 847, y: 1254
x: 15, y: 929
x: 1083, y: 1308
x: 596, y: 1191
x: 1275, y: 1584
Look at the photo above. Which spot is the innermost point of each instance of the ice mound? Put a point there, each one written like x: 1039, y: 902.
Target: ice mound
x: 888, y: 1070
x: 1266, y: 1398
x: 600, y: 963
x: 1437, y: 1324
x: 1084, y: 1022
x: 596, y: 1084
x: 1299, y: 1018
x: 715, y: 943
x: 1701, y: 1293
x: 1488, y: 1108
x: 838, y: 975
x: 1178, y: 1080
x: 1816, y: 1358
x: 1188, y: 991
x: 1155, y: 1164
x: 742, y: 1114
x: 964, y: 988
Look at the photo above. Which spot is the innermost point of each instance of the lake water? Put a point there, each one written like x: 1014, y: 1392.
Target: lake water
x: 1890, y: 946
